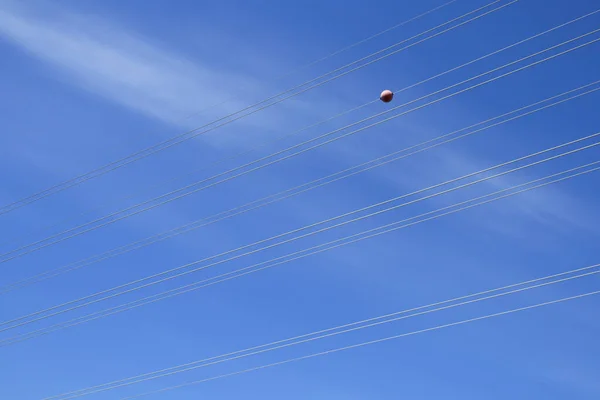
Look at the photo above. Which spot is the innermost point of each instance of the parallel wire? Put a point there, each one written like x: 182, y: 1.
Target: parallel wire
x: 363, y: 344
x: 282, y: 260
x: 372, y: 37
x: 288, y: 193
x: 325, y: 333
x: 287, y: 233
x: 10, y: 255
x: 152, y: 299
x: 372, y: 342
x: 278, y: 139
x: 378, y: 323
x: 194, y: 133
x: 216, y: 176
x: 346, y: 48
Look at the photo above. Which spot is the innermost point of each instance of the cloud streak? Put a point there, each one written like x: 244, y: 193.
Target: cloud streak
x: 551, y: 207
x: 120, y: 66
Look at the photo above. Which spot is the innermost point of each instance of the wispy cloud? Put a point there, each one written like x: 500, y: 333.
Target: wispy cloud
x: 549, y: 207
x: 145, y: 76
x: 572, y: 378
x: 121, y: 66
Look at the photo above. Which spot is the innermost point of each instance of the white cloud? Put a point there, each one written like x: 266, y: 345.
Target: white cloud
x: 550, y: 207
x: 149, y: 78
x: 571, y: 377
x: 121, y: 66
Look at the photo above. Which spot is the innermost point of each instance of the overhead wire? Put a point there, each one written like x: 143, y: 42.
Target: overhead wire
x: 380, y: 33
x: 11, y: 254
x: 313, y: 225
x: 379, y: 340
x: 397, y: 91
x: 343, y: 49
x: 253, y: 268
x: 211, y: 178
x: 189, y: 288
x: 288, y: 193
x: 152, y: 299
x: 367, y: 343
x: 334, y: 331
x: 271, y: 101
x: 355, y: 44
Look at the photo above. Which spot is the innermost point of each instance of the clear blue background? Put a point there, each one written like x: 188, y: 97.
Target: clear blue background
x: 86, y: 83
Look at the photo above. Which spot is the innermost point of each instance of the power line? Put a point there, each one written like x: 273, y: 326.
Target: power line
x: 219, y: 175
x: 394, y: 156
x: 295, y: 255
x: 354, y: 44
x: 330, y: 332
x: 298, y: 230
x: 375, y: 35
x: 346, y: 48
x: 267, y: 103
x: 363, y: 344
x: 272, y: 141
x: 11, y: 254
x: 214, y: 280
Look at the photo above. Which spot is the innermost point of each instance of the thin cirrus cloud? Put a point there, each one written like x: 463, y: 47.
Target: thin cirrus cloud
x: 123, y: 67
x: 133, y: 71
x: 141, y: 76
x: 551, y: 206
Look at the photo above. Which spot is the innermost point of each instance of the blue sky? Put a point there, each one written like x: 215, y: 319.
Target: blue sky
x: 88, y: 83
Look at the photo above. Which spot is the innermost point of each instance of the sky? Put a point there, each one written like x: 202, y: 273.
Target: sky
x: 88, y: 83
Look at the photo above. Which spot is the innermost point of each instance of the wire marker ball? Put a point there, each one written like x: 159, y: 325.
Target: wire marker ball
x: 386, y: 96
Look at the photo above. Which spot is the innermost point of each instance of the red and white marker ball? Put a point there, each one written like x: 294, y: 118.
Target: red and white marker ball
x: 386, y: 96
